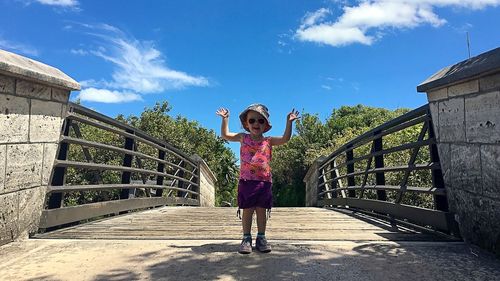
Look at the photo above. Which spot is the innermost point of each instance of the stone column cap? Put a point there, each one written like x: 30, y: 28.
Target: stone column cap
x: 25, y: 68
x: 488, y: 62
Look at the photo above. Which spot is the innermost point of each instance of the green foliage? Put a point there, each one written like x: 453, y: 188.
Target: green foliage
x: 315, y: 138
x: 185, y: 135
x: 290, y: 162
x: 190, y: 137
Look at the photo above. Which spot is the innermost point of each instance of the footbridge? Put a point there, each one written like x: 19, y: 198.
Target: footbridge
x: 426, y: 208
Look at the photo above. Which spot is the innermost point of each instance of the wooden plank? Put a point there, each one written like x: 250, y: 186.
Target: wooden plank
x: 221, y: 223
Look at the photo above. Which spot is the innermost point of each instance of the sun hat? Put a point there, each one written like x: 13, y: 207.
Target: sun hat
x: 259, y: 108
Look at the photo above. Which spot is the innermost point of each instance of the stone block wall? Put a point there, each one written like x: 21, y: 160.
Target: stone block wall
x: 33, y: 102
x: 465, y: 107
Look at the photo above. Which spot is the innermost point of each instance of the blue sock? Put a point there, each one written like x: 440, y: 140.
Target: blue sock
x: 247, y: 236
x: 261, y: 234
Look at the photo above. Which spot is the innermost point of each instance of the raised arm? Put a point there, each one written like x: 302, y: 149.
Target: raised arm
x: 292, y: 116
x: 224, y: 128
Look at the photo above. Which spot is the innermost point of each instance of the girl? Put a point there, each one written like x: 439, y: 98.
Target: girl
x: 254, y: 187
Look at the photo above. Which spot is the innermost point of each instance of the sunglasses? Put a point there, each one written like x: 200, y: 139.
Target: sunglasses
x: 252, y: 120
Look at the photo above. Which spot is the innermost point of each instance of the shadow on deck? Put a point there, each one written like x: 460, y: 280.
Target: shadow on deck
x: 197, y: 223
x: 190, y: 243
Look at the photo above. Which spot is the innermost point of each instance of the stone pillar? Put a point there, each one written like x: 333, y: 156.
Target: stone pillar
x: 311, y: 181
x: 33, y: 101
x: 207, y: 183
x: 465, y: 105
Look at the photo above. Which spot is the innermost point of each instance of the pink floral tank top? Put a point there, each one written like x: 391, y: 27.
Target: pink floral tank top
x: 255, y: 158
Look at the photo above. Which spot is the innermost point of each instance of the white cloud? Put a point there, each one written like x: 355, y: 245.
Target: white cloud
x: 313, y: 18
x: 326, y: 87
x: 80, y: 52
x: 283, y: 42
x: 18, y: 47
x: 107, y: 96
x: 138, y: 66
x: 363, y: 23
x: 60, y: 3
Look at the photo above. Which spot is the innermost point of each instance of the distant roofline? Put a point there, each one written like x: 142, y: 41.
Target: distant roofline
x: 25, y: 68
x: 488, y: 62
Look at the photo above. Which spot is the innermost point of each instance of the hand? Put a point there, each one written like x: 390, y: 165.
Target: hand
x: 222, y: 112
x: 293, y: 115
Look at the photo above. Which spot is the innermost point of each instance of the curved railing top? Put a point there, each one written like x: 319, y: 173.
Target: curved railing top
x: 416, y: 116
x: 73, y: 107
x: 123, y: 167
x: 385, y: 171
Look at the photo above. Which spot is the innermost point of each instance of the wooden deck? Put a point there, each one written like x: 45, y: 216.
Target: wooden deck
x: 193, y: 243
x: 198, y: 223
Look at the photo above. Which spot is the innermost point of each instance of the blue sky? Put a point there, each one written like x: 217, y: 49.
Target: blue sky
x: 201, y: 55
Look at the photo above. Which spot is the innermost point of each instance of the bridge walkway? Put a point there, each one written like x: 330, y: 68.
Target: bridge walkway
x: 193, y: 243
x: 193, y: 223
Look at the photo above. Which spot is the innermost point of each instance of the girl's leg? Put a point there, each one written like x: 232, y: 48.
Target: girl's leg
x: 246, y: 220
x: 261, y: 219
x: 261, y: 241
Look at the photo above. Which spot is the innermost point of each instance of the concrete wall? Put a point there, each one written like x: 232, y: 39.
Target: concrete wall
x: 465, y: 106
x: 33, y: 101
x: 207, y: 183
x: 312, y: 180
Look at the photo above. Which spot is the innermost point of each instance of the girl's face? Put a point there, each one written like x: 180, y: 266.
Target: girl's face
x: 256, y: 123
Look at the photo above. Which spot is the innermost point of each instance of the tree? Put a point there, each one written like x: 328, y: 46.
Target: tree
x: 315, y: 138
x: 183, y: 134
x: 191, y: 138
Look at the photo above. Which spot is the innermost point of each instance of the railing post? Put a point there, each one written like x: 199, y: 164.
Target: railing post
x: 59, y: 176
x: 350, y: 169
x: 379, y: 163
x: 127, y: 162
x: 312, y: 180
x: 161, y: 169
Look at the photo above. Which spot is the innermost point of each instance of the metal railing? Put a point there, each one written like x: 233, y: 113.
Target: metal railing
x: 99, y: 154
x: 355, y: 176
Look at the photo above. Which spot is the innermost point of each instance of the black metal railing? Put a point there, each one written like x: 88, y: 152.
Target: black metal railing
x: 357, y: 176
x: 125, y: 168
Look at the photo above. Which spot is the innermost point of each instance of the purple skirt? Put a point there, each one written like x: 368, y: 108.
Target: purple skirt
x: 253, y: 193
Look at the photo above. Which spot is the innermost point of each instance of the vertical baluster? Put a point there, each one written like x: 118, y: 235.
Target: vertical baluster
x: 127, y: 162
x: 350, y: 169
x: 379, y: 163
x: 161, y: 169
